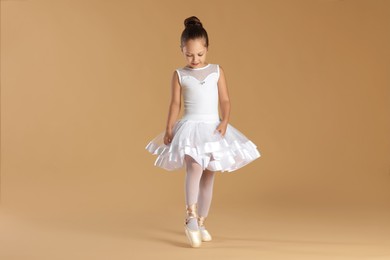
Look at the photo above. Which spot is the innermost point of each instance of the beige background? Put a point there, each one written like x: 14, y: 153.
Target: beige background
x: 86, y: 84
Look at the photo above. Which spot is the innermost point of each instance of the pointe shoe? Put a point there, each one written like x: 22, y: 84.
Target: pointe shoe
x: 205, y: 235
x: 193, y: 236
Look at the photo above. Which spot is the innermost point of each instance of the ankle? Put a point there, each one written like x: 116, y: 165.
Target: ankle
x: 192, y: 216
x: 201, y: 221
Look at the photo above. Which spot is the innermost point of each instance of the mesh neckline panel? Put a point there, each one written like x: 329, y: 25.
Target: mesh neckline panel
x: 199, y: 73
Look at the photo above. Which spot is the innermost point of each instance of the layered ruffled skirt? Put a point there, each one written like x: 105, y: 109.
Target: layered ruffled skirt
x: 208, y: 147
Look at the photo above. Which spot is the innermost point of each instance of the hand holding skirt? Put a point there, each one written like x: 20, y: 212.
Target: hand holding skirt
x: 208, y: 147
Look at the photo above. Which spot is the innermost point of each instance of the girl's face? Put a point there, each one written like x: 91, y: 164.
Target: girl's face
x: 194, y: 52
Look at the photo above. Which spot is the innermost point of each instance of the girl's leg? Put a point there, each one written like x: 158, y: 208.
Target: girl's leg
x: 193, y: 175
x: 205, y: 192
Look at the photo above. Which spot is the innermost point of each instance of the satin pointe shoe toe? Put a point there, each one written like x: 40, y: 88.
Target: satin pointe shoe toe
x: 205, y: 235
x: 194, y: 236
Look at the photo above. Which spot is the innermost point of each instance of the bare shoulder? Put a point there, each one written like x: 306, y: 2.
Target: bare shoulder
x: 222, y: 86
x: 221, y: 74
x: 221, y: 70
x: 175, y: 74
x: 175, y: 89
x: 175, y: 77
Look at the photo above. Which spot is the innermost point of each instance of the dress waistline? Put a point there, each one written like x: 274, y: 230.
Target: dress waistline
x: 202, y: 117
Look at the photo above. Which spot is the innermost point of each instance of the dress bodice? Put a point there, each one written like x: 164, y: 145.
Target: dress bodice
x: 200, y: 91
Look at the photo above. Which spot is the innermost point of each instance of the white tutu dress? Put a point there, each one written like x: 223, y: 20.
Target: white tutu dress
x: 195, y: 133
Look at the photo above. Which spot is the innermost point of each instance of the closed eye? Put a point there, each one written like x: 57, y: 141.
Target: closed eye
x: 198, y: 55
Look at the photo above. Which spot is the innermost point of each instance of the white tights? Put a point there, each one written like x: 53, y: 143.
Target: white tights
x: 198, y: 188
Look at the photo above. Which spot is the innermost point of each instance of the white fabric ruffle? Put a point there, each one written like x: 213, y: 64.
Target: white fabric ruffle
x: 208, y: 147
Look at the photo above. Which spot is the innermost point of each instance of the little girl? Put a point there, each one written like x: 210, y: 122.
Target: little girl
x: 201, y: 141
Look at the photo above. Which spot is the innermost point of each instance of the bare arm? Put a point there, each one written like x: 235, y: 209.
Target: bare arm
x: 175, y: 104
x: 174, y: 108
x: 223, y: 93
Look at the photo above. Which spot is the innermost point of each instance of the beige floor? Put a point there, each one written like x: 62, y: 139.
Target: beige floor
x: 239, y: 232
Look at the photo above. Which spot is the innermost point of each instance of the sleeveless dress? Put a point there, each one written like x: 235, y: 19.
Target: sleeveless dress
x: 195, y: 133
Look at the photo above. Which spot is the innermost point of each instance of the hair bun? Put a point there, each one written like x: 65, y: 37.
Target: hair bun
x: 192, y: 21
